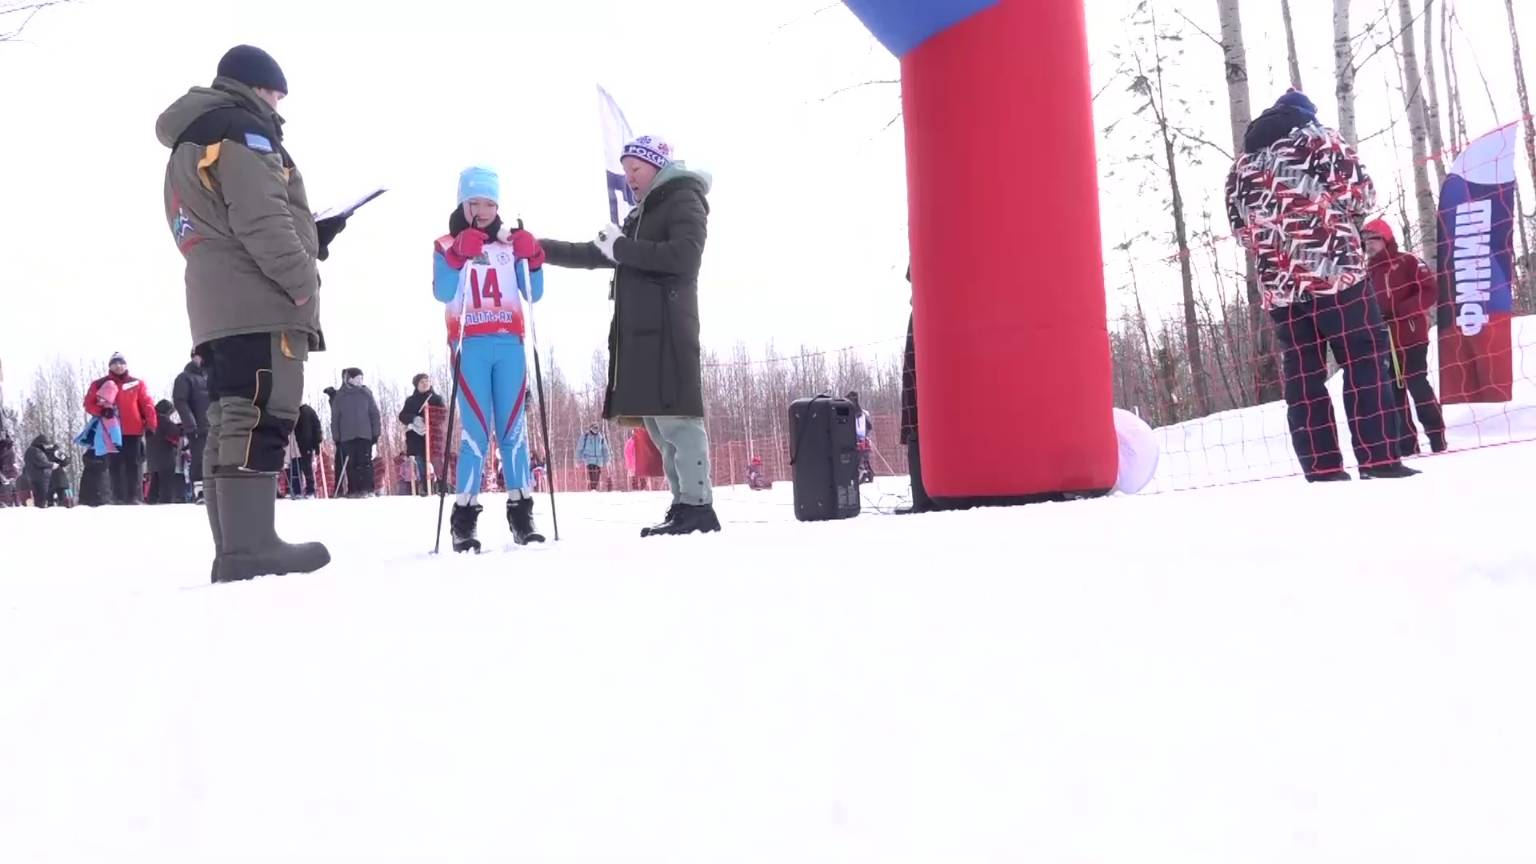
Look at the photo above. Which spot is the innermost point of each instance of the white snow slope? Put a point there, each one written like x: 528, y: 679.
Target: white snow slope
x: 1254, y: 443
x: 1269, y: 672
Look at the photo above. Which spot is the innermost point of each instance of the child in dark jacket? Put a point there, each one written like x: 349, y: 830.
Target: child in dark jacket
x: 164, y: 451
x: 43, y: 462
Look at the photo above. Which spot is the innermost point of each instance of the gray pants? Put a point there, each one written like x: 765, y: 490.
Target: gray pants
x: 255, y: 385
x: 684, y: 447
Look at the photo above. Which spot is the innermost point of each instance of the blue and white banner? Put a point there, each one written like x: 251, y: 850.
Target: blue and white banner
x: 616, y: 133
x: 1476, y: 255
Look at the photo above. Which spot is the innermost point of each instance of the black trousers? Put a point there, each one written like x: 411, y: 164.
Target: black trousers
x: 1417, y: 392
x: 197, y: 443
x: 1348, y: 323
x: 123, y: 466
x: 306, y: 465
x: 594, y: 476
x: 357, y: 454
x: 165, y: 487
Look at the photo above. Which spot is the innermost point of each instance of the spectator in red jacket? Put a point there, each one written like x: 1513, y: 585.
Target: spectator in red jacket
x: 1407, y: 293
x: 135, y: 411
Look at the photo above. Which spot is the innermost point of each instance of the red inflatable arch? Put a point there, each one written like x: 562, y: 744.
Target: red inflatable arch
x: 1013, y: 355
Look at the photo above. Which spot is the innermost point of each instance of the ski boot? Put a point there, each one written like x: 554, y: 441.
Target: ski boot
x: 685, y: 519
x: 520, y: 520
x: 462, y: 524
x: 245, y: 516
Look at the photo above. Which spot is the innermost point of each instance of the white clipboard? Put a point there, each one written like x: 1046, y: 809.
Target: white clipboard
x: 346, y: 210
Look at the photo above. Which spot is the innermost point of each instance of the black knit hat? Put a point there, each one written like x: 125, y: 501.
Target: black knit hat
x: 253, y: 67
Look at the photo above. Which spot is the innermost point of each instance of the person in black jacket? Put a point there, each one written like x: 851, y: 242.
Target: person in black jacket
x: 414, y: 418
x: 190, y: 396
x: 654, y: 373
x: 40, y: 460
x: 308, y: 435
x: 163, y: 448
x: 8, y: 470
x: 921, y: 503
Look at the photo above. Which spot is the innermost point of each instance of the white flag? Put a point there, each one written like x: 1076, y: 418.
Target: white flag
x: 616, y: 133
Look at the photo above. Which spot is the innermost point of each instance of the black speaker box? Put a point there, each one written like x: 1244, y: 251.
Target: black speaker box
x: 824, y: 457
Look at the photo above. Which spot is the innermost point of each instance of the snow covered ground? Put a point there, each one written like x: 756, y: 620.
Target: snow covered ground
x: 1266, y: 672
x: 1254, y: 443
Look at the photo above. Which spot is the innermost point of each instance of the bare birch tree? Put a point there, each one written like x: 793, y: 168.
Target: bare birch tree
x: 1240, y: 110
x: 1456, y: 121
x: 1432, y: 95
x: 1520, y: 91
x: 1418, y: 131
x: 1292, y: 61
x: 1344, y: 72
x: 1151, y: 89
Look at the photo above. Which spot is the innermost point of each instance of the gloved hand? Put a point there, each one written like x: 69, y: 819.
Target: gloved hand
x: 470, y: 243
x: 327, y: 229
x: 606, y: 237
x: 108, y: 412
x: 527, y: 247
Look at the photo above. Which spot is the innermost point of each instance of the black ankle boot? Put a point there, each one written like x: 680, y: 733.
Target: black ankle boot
x: 520, y: 520
x: 1391, y: 471
x: 686, y: 519
x: 462, y: 523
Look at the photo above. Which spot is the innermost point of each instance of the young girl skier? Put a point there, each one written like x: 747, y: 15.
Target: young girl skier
x: 475, y: 273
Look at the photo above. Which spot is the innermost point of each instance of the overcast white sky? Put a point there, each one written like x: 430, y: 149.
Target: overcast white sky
x: 808, y: 232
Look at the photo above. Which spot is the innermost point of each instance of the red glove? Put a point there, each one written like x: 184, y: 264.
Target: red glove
x: 527, y: 247
x: 470, y: 243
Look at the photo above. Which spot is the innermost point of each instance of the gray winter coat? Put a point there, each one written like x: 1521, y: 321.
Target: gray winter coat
x: 354, y: 414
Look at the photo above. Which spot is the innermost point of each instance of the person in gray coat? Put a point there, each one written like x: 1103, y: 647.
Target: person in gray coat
x: 355, y: 429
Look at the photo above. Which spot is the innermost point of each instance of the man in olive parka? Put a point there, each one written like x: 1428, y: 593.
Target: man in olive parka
x: 238, y: 212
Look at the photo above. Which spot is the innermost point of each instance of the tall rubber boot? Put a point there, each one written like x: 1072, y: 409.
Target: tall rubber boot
x: 211, y: 504
x: 251, y: 545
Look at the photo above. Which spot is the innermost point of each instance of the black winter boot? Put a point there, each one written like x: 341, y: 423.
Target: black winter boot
x: 520, y: 520
x: 1329, y: 477
x: 665, y: 520
x: 1391, y: 471
x: 462, y: 524
x: 685, y: 519
x: 246, y: 505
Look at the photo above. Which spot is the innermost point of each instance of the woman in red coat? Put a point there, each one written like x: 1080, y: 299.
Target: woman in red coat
x: 135, y: 411
x: 1407, y: 293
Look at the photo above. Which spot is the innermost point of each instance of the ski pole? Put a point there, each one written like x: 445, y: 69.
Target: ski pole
x: 1397, y: 370
x: 538, y: 380
x: 538, y: 377
x: 453, y: 404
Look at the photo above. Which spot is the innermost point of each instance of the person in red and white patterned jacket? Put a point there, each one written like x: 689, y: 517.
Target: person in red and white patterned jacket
x: 1296, y: 196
